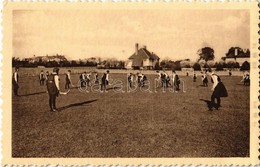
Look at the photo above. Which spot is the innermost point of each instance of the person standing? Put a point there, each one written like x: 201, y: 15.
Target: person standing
x: 53, y: 88
x: 194, y: 77
x: 105, y: 81
x: 229, y: 73
x: 219, y: 90
x: 82, y: 78
x: 96, y: 78
x: 175, y: 81
x: 204, y: 79
x: 88, y: 78
x: 246, y: 78
x: 130, y: 79
x: 163, y: 79
x: 15, y: 80
x: 41, y: 78
x: 67, y: 80
x: 167, y: 79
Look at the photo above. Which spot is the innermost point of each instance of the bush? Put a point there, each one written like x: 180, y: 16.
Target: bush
x: 219, y: 67
x: 245, y: 66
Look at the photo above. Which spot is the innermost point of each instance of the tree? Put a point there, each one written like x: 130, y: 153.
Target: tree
x: 245, y: 66
x: 206, y: 54
x: 196, y: 67
x: 219, y: 66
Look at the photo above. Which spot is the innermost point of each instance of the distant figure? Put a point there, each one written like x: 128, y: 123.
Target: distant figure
x: 82, y: 78
x: 96, y: 78
x: 176, y: 81
x: 53, y: 88
x: 105, y: 81
x: 194, y: 77
x: 229, y: 73
x: 15, y: 80
x: 47, y: 76
x: 167, y: 80
x: 142, y: 80
x: 219, y: 90
x: 204, y: 79
x: 67, y: 80
x: 139, y: 78
x: 187, y: 73
x: 246, y: 78
x: 130, y: 79
x: 87, y: 77
x: 41, y: 78
x: 163, y: 79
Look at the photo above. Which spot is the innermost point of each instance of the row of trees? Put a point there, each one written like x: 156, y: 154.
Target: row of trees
x: 108, y: 63
x: 178, y: 65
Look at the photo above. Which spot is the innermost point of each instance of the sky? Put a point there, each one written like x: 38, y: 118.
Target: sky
x: 171, y: 34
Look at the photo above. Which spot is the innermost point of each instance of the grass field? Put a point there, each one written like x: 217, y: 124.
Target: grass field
x: 137, y: 124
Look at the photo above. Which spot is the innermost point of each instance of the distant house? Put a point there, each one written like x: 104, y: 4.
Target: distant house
x: 236, y: 54
x: 142, y: 59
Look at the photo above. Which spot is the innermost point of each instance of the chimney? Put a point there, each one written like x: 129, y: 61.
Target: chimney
x: 136, y: 48
x: 144, y: 46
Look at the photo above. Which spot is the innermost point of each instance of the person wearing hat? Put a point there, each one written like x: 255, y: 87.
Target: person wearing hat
x: 15, y: 79
x: 53, y: 88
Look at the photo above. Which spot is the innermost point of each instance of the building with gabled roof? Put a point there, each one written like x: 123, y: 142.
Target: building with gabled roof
x: 142, y: 59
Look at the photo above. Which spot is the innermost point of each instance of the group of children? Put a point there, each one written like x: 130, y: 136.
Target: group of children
x: 139, y: 77
x: 85, y: 80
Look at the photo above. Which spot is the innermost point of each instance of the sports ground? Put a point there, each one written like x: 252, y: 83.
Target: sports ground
x: 135, y: 124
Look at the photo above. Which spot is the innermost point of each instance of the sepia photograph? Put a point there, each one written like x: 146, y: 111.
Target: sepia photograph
x: 137, y: 83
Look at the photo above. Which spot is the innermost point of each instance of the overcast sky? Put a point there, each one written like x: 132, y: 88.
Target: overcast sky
x: 174, y: 34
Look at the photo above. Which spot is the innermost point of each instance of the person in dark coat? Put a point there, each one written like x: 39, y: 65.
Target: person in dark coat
x: 104, y: 81
x: 229, y: 73
x: 53, y: 88
x: 194, y: 77
x: 219, y: 90
x: 82, y: 78
x: 176, y: 81
x: 163, y: 79
x: 15, y: 80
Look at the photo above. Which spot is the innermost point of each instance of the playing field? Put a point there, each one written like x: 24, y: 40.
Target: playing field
x: 136, y: 124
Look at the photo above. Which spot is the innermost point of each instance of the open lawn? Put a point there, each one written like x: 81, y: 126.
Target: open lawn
x: 136, y: 124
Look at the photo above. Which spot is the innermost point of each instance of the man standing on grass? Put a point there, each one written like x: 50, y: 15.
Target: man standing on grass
x: 105, y: 81
x: 15, y: 79
x: 53, y: 88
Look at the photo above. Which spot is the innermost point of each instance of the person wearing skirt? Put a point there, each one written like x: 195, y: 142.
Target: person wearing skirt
x: 219, y: 90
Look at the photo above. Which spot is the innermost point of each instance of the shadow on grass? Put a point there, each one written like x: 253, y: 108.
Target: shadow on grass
x: 203, y: 86
x: 36, y: 93
x: 208, y: 102
x: 76, y: 104
x: 112, y: 88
